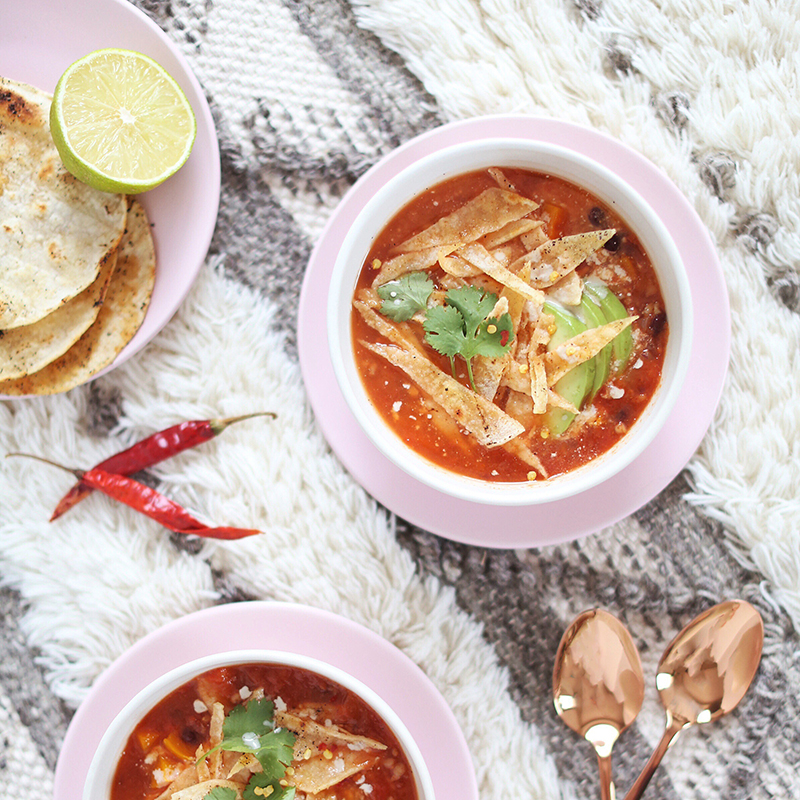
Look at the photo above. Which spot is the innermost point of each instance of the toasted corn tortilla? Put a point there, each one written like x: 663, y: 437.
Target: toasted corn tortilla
x: 121, y: 315
x: 490, y: 425
x: 480, y: 257
x: 554, y: 259
x: 581, y: 347
x: 491, y: 210
x: 55, y: 231
x: 32, y: 347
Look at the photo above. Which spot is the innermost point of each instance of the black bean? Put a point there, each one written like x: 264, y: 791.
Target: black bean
x: 613, y: 244
x: 191, y: 736
x: 597, y: 216
x: 657, y: 324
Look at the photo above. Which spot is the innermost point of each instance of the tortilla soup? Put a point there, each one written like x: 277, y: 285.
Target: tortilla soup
x: 508, y: 326
x: 262, y: 730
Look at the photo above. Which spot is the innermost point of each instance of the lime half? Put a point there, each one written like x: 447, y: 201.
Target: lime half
x: 120, y: 122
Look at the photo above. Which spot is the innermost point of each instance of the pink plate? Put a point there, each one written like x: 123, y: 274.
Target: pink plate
x: 277, y: 626
x: 564, y: 520
x: 39, y: 39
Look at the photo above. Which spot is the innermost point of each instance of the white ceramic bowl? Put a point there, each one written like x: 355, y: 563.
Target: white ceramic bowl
x: 104, y: 763
x: 540, y: 157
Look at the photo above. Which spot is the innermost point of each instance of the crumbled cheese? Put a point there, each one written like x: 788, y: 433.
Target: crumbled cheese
x: 338, y: 765
x: 200, y: 707
x: 251, y: 740
x: 280, y: 704
x: 366, y: 788
x: 397, y: 405
x: 639, y: 364
x: 615, y: 392
x: 245, y: 692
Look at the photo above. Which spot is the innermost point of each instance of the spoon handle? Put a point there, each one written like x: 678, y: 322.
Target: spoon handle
x: 606, y: 782
x: 640, y: 784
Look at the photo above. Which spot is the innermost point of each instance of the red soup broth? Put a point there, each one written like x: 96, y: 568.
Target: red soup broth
x: 622, y: 264
x: 168, y: 736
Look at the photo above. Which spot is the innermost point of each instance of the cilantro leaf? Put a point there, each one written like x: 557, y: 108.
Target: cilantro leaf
x: 405, y: 296
x: 462, y: 327
x: 256, y: 717
x: 221, y: 793
x: 256, y: 789
x: 250, y: 728
x: 444, y: 330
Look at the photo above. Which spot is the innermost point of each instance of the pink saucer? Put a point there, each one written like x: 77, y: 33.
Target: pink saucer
x: 564, y: 520
x: 277, y: 626
x: 39, y: 39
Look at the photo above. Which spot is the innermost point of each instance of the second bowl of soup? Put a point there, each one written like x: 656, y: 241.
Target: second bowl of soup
x: 509, y: 322
x: 257, y: 724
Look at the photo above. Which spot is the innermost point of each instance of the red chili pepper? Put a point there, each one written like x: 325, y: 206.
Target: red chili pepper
x: 152, y: 450
x: 148, y: 501
x: 155, y: 505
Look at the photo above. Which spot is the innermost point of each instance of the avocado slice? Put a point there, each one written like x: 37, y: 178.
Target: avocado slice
x: 591, y: 313
x: 613, y: 309
x: 578, y: 382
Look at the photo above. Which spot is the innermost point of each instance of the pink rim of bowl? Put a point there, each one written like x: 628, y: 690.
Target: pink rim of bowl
x: 103, y: 765
x: 573, y: 167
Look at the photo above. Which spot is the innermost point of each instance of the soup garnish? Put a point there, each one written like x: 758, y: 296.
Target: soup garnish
x: 508, y: 325
x: 254, y: 731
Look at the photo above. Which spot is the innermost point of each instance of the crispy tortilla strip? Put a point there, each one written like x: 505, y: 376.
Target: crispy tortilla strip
x: 320, y: 772
x: 247, y: 763
x: 557, y: 401
x: 458, y: 268
x: 410, y: 262
x: 55, y: 230
x: 200, y: 790
x: 580, y: 348
x: 215, y: 737
x: 489, y: 211
x: 525, y: 454
x: 395, y: 332
x: 520, y: 381
x: 568, y: 290
x: 500, y: 178
x: 535, y: 237
x: 313, y: 732
x: 484, y: 420
x: 554, y: 259
x: 120, y: 317
x: 30, y: 348
x: 538, y: 385
x: 488, y: 372
x: 187, y: 777
x: 478, y: 255
x: 516, y: 228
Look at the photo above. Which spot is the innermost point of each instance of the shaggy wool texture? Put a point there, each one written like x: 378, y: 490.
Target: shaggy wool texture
x: 307, y: 94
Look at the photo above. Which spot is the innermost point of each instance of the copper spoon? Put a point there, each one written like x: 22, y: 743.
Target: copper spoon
x: 598, y: 685
x: 704, y: 673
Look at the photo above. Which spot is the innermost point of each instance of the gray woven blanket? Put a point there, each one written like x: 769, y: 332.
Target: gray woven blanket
x: 306, y: 96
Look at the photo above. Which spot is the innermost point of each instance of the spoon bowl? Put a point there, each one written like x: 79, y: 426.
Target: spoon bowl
x: 598, y: 684
x: 704, y: 673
